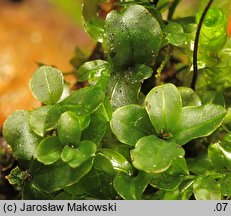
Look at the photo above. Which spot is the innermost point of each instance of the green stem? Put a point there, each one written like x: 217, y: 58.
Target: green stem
x: 196, y: 43
x: 172, y: 9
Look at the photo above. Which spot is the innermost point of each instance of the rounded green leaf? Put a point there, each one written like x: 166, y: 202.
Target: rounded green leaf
x: 58, y: 175
x: 189, y: 97
x: 163, y: 104
x: 130, y: 123
x: 124, y: 35
x: 118, y: 162
x: 93, y: 70
x: 19, y: 136
x: 83, y: 101
x: 197, y: 122
x: 37, y: 119
x: 153, y: 155
x: 47, y: 84
x: 131, y: 188
x: 69, y: 129
x: 49, y: 150
x: 206, y: 188
x: 75, y: 157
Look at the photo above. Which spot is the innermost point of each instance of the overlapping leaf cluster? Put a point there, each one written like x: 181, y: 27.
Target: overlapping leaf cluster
x: 108, y: 140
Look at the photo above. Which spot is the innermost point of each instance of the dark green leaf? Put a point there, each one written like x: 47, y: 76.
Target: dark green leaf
x: 69, y: 129
x: 75, y: 157
x: 49, y: 150
x: 125, y: 40
x: 47, y: 84
x: 19, y: 136
x: 213, y: 97
x: 153, y: 155
x: 197, y: 122
x: 131, y: 188
x: 37, y: 119
x: 130, y: 123
x: 56, y: 176
x: 206, y: 188
x: 163, y: 104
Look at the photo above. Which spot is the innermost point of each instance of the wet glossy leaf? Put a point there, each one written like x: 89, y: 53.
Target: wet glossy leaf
x: 69, y: 129
x: 175, y: 34
x: 197, y: 122
x: 153, y: 155
x: 94, y: 26
x: 83, y: 101
x: 56, y: 176
x: 75, y: 157
x: 124, y: 35
x: 47, y: 84
x: 49, y: 150
x: 37, y: 119
x: 225, y: 184
x: 130, y: 123
x: 189, y: 97
x: 19, y: 136
x: 140, y: 73
x: 96, y: 129
x: 93, y: 70
x: 163, y: 104
x: 206, y: 188
x: 131, y: 188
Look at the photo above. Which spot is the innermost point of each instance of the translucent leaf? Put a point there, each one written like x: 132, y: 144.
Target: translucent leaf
x: 58, y: 175
x: 131, y: 119
x: 19, y: 136
x: 93, y: 70
x: 49, y: 150
x: 37, y: 119
x: 197, y: 122
x: 75, y: 157
x: 206, y: 188
x: 153, y: 155
x: 69, y: 129
x: 47, y: 84
x: 131, y: 188
x: 124, y: 35
x: 189, y: 97
x: 175, y: 34
x: 163, y: 104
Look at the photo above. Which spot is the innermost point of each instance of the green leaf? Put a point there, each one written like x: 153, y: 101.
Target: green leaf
x: 206, y: 188
x: 69, y: 129
x: 93, y: 70
x: 47, y: 84
x: 37, y: 119
x: 96, y: 129
x: 83, y: 101
x: 75, y: 157
x: 213, y: 97
x: 58, y: 175
x: 94, y: 26
x: 153, y: 155
x: 225, y: 183
x: 124, y: 35
x: 163, y: 104
x: 130, y: 123
x: 189, y: 97
x: 118, y: 162
x: 131, y: 188
x: 175, y: 34
x: 49, y: 150
x: 197, y: 122
x: 19, y: 136
x: 140, y: 73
